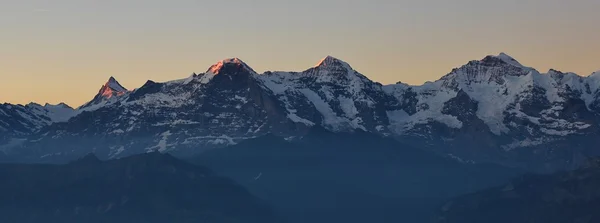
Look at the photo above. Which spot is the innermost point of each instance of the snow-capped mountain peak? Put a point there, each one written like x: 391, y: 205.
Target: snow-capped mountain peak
x: 331, y: 69
x: 332, y: 62
x: 110, y: 90
x: 509, y: 60
x: 502, y: 60
x: 491, y: 69
x: 60, y: 112
x: 228, y: 65
x: 494, y: 103
x: 50, y: 113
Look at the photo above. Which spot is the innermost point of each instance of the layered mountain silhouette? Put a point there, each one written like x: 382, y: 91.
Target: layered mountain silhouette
x: 489, y: 110
x: 349, y: 177
x: 148, y: 188
x: 562, y: 197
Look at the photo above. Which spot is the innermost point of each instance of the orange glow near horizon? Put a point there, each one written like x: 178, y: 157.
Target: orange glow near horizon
x: 47, y: 56
x: 79, y: 90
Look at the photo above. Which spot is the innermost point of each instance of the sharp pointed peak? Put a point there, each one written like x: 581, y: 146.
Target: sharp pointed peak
x: 114, y: 85
x: 110, y: 89
x: 330, y: 61
x: 505, y: 55
x: 502, y: 58
x: 112, y: 79
x: 329, y: 57
x: 228, y: 63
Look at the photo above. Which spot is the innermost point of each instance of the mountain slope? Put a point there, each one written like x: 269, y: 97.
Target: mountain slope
x: 498, y: 110
x: 223, y: 106
x: 563, y: 197
x: 228, y: 103
x: 489, y: 110
x: 143, y: 188
x: 332, y: 95
x: 17, y: 122
x: 349, y: 177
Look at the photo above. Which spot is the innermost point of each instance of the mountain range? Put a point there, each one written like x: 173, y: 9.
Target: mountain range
x: 489, y: 110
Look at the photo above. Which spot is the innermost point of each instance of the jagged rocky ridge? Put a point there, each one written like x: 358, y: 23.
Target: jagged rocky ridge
x: 562, y: 197
x: 17, y: 122
x: 108, y: 93
x: 489, y: 110
x: 20, y: 121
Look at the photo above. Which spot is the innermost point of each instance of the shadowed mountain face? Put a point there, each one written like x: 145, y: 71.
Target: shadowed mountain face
x: 144, y: 188
x: 563, y: 197
x: 358, y: 177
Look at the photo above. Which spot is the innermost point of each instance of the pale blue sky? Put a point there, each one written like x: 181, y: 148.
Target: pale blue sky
x: 63, y: 50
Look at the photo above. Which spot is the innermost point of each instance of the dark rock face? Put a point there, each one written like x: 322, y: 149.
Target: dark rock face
x: 564, y: 197
x: 143, y: 188
x: 462, y: 107
x: 535, y: 102
x: 349, y: 177
x: 409, y: 102
x: 473, y: 131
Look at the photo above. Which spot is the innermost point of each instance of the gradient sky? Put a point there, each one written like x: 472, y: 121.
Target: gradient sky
x: 64, y: 50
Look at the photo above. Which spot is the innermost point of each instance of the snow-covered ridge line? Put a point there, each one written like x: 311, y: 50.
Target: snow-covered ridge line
x: 112, y: 91
x: 49, y: 113
x: 113, y: 84
x: 499, y: 84
x: 492, y: 103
